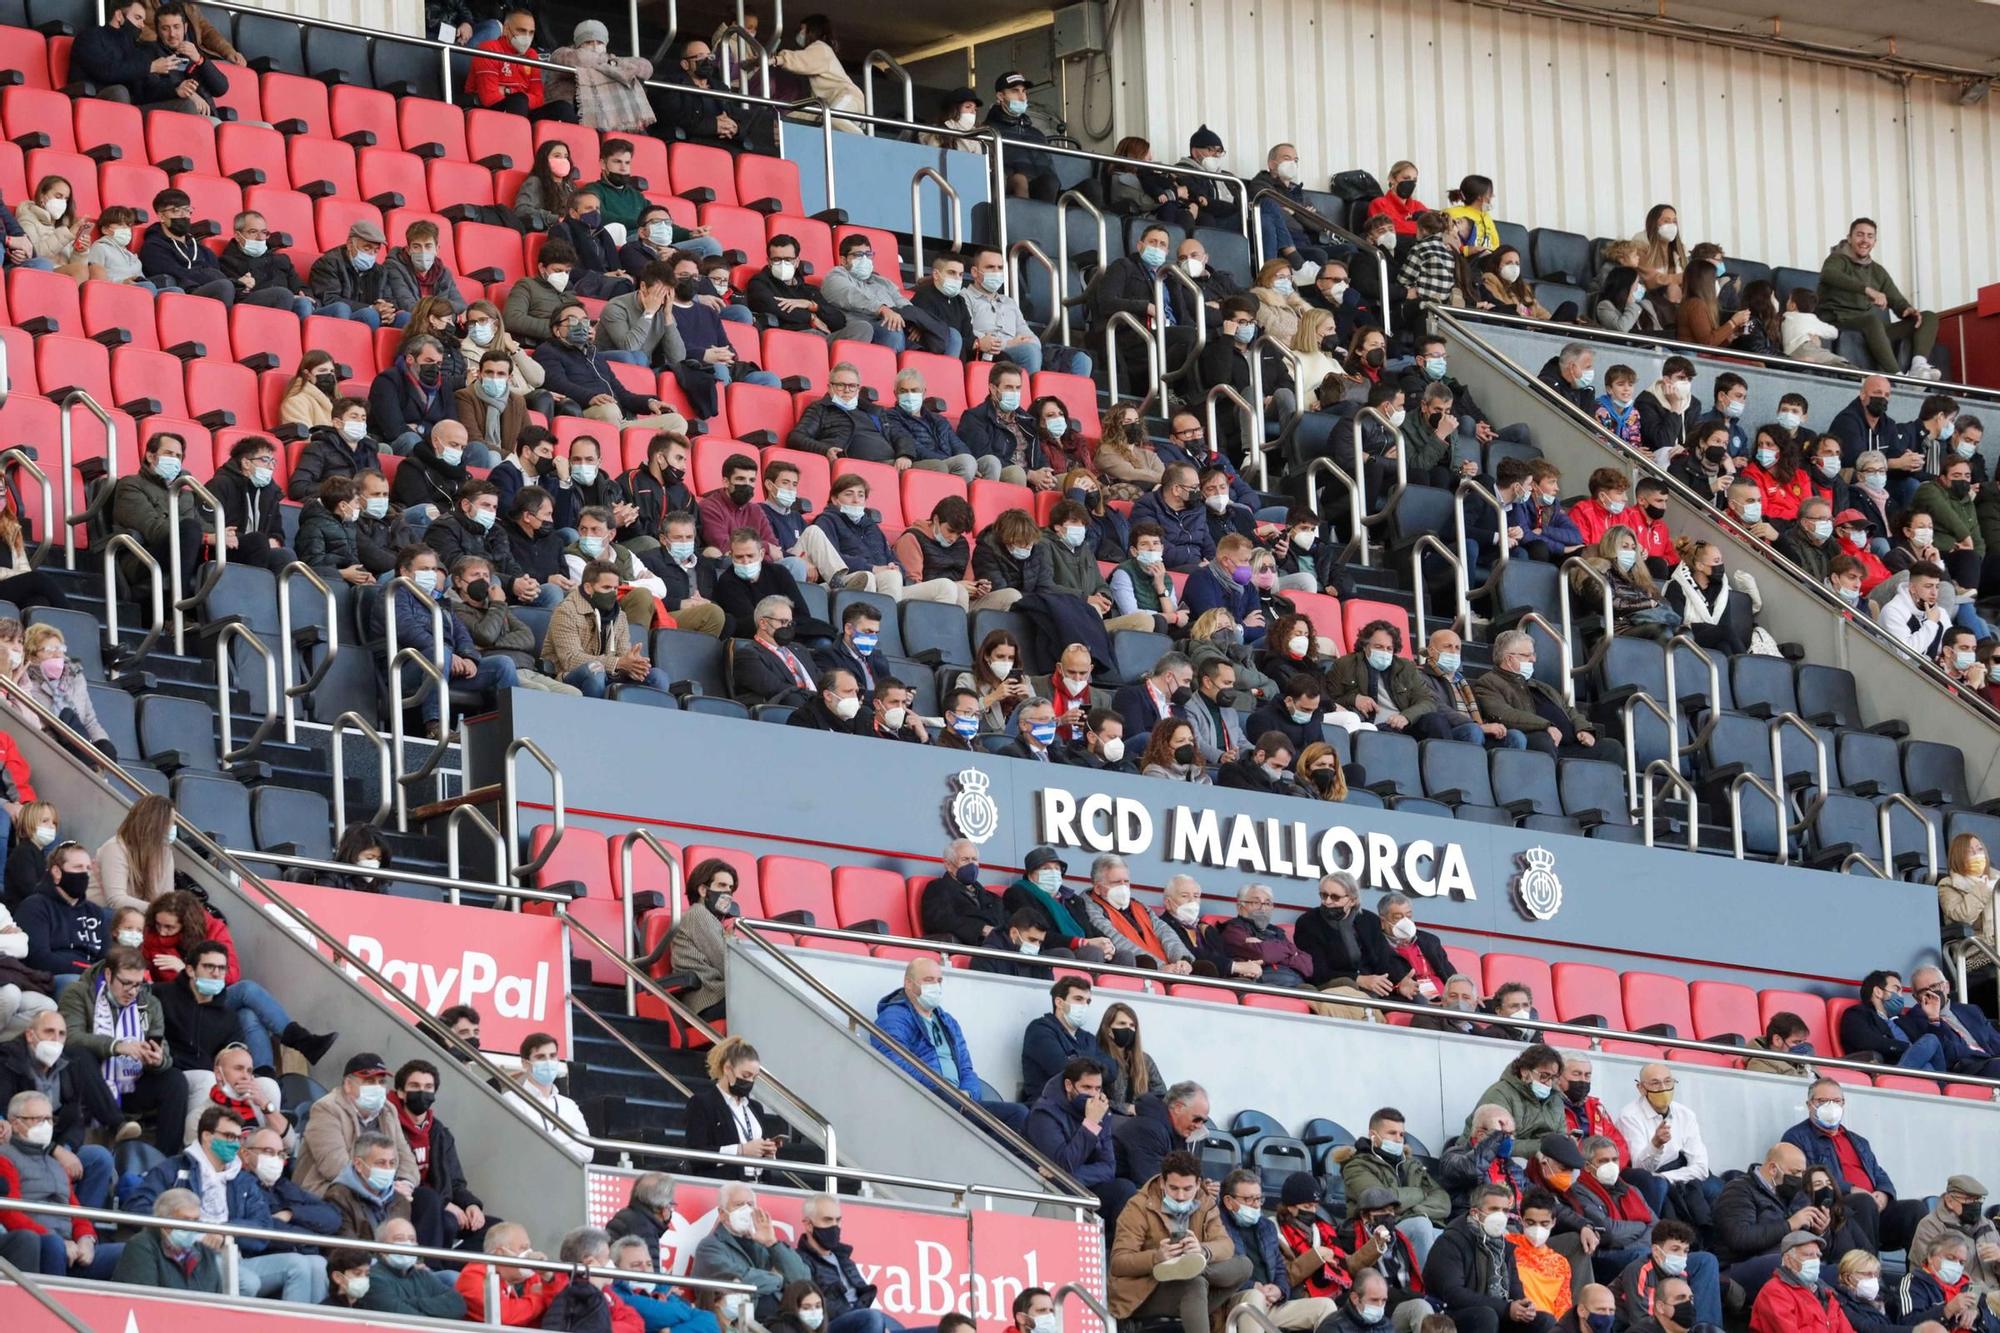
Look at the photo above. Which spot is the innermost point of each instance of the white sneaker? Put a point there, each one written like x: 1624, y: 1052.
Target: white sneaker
x: 1922, y: 369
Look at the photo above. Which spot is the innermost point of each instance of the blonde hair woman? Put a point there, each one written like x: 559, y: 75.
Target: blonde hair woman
x: 1965, y: 890
x: 724, y: 1118
x: 1320, y: 772
x: 1317, y: 328
x: 1279, y: 305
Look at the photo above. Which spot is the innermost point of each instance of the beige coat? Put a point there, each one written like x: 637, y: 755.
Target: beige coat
x: 1279, y: 315
x: 573, y: 639
x: 528, y: 372
x: 1141, y: 1229
x: 699, y: 948
x: 306, y: 406
x: 328, y: 1146
x: 53, y: 241
x: 111, y: 885
x: 1967, y: 900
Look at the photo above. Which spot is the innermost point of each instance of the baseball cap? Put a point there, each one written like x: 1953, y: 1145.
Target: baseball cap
x: 1013, y: 78
x: 363, y: 1062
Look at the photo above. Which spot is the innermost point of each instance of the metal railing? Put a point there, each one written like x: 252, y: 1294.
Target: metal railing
x: 1119, y: 319
x: 454, y: 885
x: 1715, y: 710
x: 1884, y: 826
x: 66, y: 454
x: 436, y: 668
x: 1253, y: 420
x: 288, y: 642
x: 889, y: 65
x: 1420, y: 587
x: 948, y: 205
x: 1355, y: 484
x: 460, y: 816
x: 1561, y: 637
x: 1065, y: 201
x: 1777, y: 800
x: 1659, y: 773
x: 218, y: 554
x: 676, y: 903
x: 1162, y: 275
x: 1578, y: 563
x: 18, y: 458
x: 1380, y: 515
x: 125, y: 541
x: 1474, y: 487
x: 231, y: 752
x: 1152, y: 981
x: 1255, y: 443
x: 1028, y: 249
x: 1627, y: 716
x: 337, y: 742
x: 511, y: 806
x: 1077, y: 1291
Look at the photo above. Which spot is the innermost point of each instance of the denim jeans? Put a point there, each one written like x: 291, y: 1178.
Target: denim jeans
x: 765, y: 377
x: 299, y: 1278
x: 1924, y: 1053
x: 260, y: 1018
x: 624, y: 357
x: 595, y: 681
x: 1034, y: 356
x: 94, y: 1190
x: 737, y: 314
x: 549, y: 596
x: 703, y: 247
x: 494, y: 673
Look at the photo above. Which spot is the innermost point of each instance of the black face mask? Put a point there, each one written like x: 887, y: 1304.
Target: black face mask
x: 1577, y: 1089
x: 327, y: 384
x: 740, y: 495
x: 1715, y: 453
x: 478, y: 590
x: 617, y: 180
x: 1123, y: 1038
x: 1969, y: 1214
x: 741, y: 1087
x: 428, y: 376
x: 1375, y: 357
x: 1787, y: 1188
x: 1960, y: 489
x: 684, y: 290
x: 674, y: 475
x: 826, y: 1237
x: 1878, y: 406
x: 1823, y: 1197
x: 1656, y: 512
x: 1406, y: 189
x: 1183, y: 755
x: 1228, y: 698
x: 177, y: 226
x: 419, y: 1102
x: 1683, y: 1314
x: 703, y: 68
x: 783, y: 634
x: 1330, y: 346
x: 1180, y: 697
x: 74, y: 883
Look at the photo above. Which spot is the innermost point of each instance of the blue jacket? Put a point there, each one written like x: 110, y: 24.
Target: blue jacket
x: 246, y: 1198
x: 64, y: 937
x: 1918, y: 1298
x: 1259, y: 1243
x: 1056, y: 1128
x: 1817, y: 1145
x: 1046, y: 1048
x: 895, y: 1015
x: 928, y: 436
x: 413, y: 630
x: 862, y: 544
x: 1550, y: 525
x: 1240, y: 491
x: 981, y: 430
x: 1850, y: 426
x: 1207, y: 589
x: 580, y: 374
x: 310, y: 1213
x: 787, y: 525
x: 1134, y: 703
x: 398, y: 404
x: 1188, y: 539
x: 1915, y: 1022
x: 661, y: 1309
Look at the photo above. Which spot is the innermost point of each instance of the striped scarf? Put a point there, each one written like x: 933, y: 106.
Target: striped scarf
x: 121, y: 1072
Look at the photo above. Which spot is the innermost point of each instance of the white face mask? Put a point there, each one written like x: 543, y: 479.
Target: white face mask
x: 893, y: 718
x: 740, y: 1219
x: 1188, y: 912
x: 559, y: 279
x: 1538, y: 1236
x: 1300, y: 644
x: 55, y: 208
x: 1119, y: 896
x: 1868, y: 1288
x: 1405, y: 929
x: 1001, y: 670
x: 1113, y: 750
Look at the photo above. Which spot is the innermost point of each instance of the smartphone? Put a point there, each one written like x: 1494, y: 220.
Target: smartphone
x: 780, y: 1139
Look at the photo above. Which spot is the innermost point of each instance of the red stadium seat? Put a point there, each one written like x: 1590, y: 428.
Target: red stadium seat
x: 33, y: 292
x: 755, y: 407
x: 710, y: 454
x: 922, y: 490
x: 1652, y: 998
x: 289, y: 215
x: 297, y: 105
x: 888, y: 257
x: 26, y: 110
x: 490, y: 134
x: 81, y: 173
x: 245, y: 98
x: 1834, y: 1009
x: 215, y: 385
x: 582, y: 141
x: 349, y: 341
x: 333, y: 217
x: 182, y: 319
x: 788, y: 353
x: 1285, y: 1004
x: 200, y: 455
x: 735, y: 228
x: 482, y: 246
x: 214, y: 199
x: 1464, y: 961
x: 1812, y: 1008
x: 13, y: 174
x: 133, y: 181
x: 1045, y: 505
x: 1358, y: 612
x: 254, y: 330
x: 63, y: 363
x: 990, y: 499
x: 313, y: 161
x: 383, y: 172
x: 27, y: 51
x: 1324, y: 612
x: 815, y: 240
x: 354, y: 110
x: 582, y: 857
x: 978, y: 382
x: 749, y: 891
x: 459, y: 182
x: 1078, y: 395
x: 815, y: 475
x: 1722, y: 1008
x: 1904, y: 1083
x: 877, y: 366
x: 170, y: 135
x: 1851, y: 1077
x: 1585, y: 988
x: 794, y: 884
x: 1681, y: 1056
x: 148, y: 383
x: 944, y: 377
x: 699, y: 167
x: 862, y: 893
x: 111, y: 305
x: 759, y: 178
x: 885, y: 494
x: 421, y: 121
x: 1500, y: 968
x: 242, y: 149
x: 1970, y: 1092
x: 1188, y: 990
x: 649, y: 163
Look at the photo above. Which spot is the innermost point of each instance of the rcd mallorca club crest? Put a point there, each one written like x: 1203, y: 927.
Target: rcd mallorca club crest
x: 972, y: 813
x: 1536, y: 888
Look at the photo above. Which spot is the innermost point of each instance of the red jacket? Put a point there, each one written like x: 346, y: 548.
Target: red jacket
x: 524, y: 1310
x: 10, y: 1220
x: 1593, y: 1119
x: 1330, y: 1280
x: 154, y: 945
x: 1782, y: 499
x: 17, y: 770
x: 1403, y: 212
x: 1873, y: 571
x: 492, y: 80
x: 1784, y: 1308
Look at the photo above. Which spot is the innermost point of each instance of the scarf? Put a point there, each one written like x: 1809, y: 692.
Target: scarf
x: 243, y: 1111
x: 1059, y: 914
x: 1696, y: 606
x: 418, y: 1136
x: 1496, y: 1254
x: 1139, y: 930
x: 1065, y: 701
x: 121, y: 1072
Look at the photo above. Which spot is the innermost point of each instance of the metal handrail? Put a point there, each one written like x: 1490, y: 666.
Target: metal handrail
x: 449, y: 883
x: 350, y: 718
x: 752, y: 930
x: 725, y: 57
x: 1024, y: 246
x: 1686, y: 640
x: 1415, y: 1008
x: 66, y: 452
x: 1258, y: 345
x: 826, y: 145
x: 1633, y: 702
x: 125, y: 541
x: 436, y: 667
x: 1736, y: 786
x: 18, y: 457
x: 1473, y: 486
x: 1380, y: 515
x: 218, y: 553
x: 1852, y: 859
x: 1090, y: 1302
x: 1253, y: 425
x: 1065, y: 201
x: 1356, y: 485
x: 236, y: 629
x: 1244, y: 1312
x: 1774, y: 729
x: 467, y: 813
x: 1883, y: 825
x: 1462, y: 621
x: 1659, y: 769
x: 1561, y: 636
x: 1255, y: 235
x: 676, y: 901
x: 1161, y: 275
x: 511, y: 805
x: 632, y: 1048
x: 1111, y: 325
x: 287, y: 646
x: 1576, y: 562
x: 891, y: 65
x: 1954, y: 954
x: 947, y: 193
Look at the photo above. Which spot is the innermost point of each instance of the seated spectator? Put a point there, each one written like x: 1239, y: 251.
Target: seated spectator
x: 1971, y: 1042
x: 161, y: 70
x: 1625, y: 304
x: 647, y: 1219
x: 1509, y: 695
x: 1873, y: 1027
x: 173, y: 257
x: 1949, y: 501
x: 1170, y: 1254
x: 1700, y: 594
x: 744, y: 1247
x: 350, y: 281
x: 1571, y: 376
x: 589, y: 644
x: 535, y: 301
x: 873, y: 301
x: 1636, y: 607
x: 443, y: 1207
x: 524, y: 1293
x: 733, y: 507
x: 1757, y: 1211
x: 1295, y: 714
x: 1379, y: 1160
x: 1264, y: 766
x: 1700, y: 313
x: 250, y: 505
x: 780, y: 295
x: 697, y: 941
x: 1383, y: 689
x: 505, y: 85
x: 1456, y: 703
x: 1066, y: 1123
x: 493, y: 414
x: 1057, y: 1038
x: 894, y: 717
x: 607, y: 91
x: 1857, y: 293
x: 66, y: 930
x: 1478, y: 1284
x: 924, y: 438
x: 142, y: 510
x: 1022, y: 936
x: 1502, y: 284
x: 1601, y: 1201
x: 466, y: 667
x: 36, y: 1168
x: 173, y: 1258
x: 955, y: 906
x: 401, y: 1284
x: 834, y: 706
x: 1803, y: 334
x: 469, y: 530
x: 847, y: 1298
x: 703, y: 117
x: 542, y: 198
x: 110, y: 258
x: 1785, y: 1033
x: 1269, y: 1288
x: 846, y: 548
x: 540, y: 1102
x: 1172, y: 753
x: 1798, y: 1299
x: 915, y: 1020
x: 370, y: 1189
x: 1011, y: 558
x: 1547, y: 531
x: 768, y: 669
x: 113, y: 1016
x: 38, y: 1060
x: 1546, y: 1277
x: 1250, y: 936
x: 495, y: 628
x: 723, y: 1117
x: 1915, y: 616
x: 596, y: 273
x: 580, y: 375
x: 45, y: 233
x: 1666, y: 411
x: 341, y: 448
x: 655, y: 239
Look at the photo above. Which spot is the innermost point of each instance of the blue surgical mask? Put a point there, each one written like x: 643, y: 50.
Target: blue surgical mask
x: 1949, y: 1271
x: 1448, y: 663
x: 1010, y: 400
x: 1435, y: 367
x: 494, y: 388
x: 1790, y: 420
x: 166, y: 467
x: 1963, y: 659
x: 1627, y: 557
x: 209, y: 986
x: 1153, y: 255
x: 862, y: 267
x: 1822, y: 528
x: 591, y: 546
x: 853, y: 513
x: 1049, y: 877
x: 749, y: 573
x: 1389, y: 1148
x: 911, y: 401
x: 183, y: 1239
x: 1246, y: 331
x: 681, y: 551
x: 993, y: 280
x: 1852, y: 596
x: 380, y: 1178
x: 1380, y: 658
x: 255, y: 248
x: 545, y: 1072
x: 261, y: 477
x: 484, y: 518
x: 1057, y: 427
x: 375, y: 506
x: 1541, y: 1091
x: 364, y: 261
x: 1733, y: 408
x: 1586, y: 378
x: 402, y: 1263
x: 1526, y: 670
x: 451, y: 457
